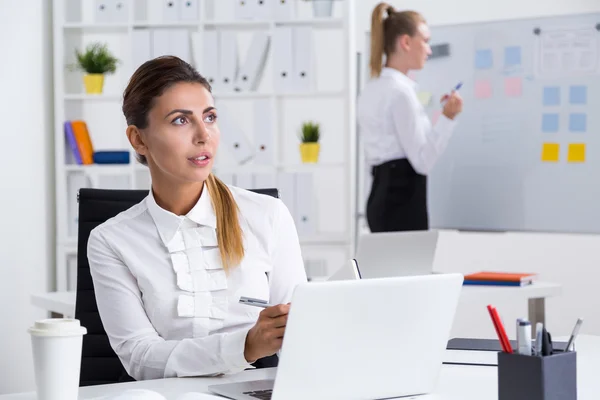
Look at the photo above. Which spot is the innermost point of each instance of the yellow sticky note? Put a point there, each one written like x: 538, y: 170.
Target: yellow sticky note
x: 424, y: 98
x: 550, y: 152
x: 576, y: 152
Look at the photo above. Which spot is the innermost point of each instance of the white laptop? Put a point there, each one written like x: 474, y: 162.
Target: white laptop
x: 361, y: 339
x: 406, y: 253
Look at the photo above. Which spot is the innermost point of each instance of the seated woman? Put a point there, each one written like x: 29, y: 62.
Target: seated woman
x: 169, y: 272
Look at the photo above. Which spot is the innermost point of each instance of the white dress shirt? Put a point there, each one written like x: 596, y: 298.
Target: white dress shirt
x: 166, y: 303
x: 393, y: 123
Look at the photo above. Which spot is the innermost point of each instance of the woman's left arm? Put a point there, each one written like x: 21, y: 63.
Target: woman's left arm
x: 288, y: 266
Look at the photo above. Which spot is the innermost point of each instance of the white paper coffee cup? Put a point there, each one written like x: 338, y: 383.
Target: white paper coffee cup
x: 56, y: 345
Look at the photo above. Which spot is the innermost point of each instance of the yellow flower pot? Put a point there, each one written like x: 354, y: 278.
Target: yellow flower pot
x: 94, y: 83
x: 309, y: 152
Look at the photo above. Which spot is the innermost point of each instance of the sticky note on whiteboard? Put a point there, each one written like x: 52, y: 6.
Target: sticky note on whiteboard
x: 513, y: 86
x: 484, y: 59
x: 576, y: 153
x: 483, y: 89
x: 424, y: 98
x: 550, y: 152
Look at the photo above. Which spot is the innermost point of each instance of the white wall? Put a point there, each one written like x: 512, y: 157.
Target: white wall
x: 572, y: 260
x: 26, y: 170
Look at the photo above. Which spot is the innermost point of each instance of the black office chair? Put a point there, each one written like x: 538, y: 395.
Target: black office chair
x: 99, y: 363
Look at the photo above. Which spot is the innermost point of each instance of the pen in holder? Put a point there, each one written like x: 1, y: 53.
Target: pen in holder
x: 525, y: 377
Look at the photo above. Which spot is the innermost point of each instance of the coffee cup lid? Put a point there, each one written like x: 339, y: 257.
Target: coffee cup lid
x: 57, y: 327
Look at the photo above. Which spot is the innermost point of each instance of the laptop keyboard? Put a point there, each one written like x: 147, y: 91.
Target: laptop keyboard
x: 260, y: 394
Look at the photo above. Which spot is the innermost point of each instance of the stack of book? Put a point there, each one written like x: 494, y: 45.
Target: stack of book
x: 499, y: 278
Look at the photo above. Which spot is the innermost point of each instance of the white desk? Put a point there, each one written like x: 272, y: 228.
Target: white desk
x: 63, y: 303
x: 456, y: 382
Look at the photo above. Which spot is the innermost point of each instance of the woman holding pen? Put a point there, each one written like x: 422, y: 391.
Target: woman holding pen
x: 401, y: 145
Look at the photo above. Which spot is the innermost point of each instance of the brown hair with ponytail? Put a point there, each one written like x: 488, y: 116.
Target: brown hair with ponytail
x: 387, y: 25
x: 150, y: 81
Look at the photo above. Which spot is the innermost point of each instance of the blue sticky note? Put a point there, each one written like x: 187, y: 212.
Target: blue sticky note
x: 512, y: 55
x: 549, y: 123
x: 484, y: 59
x: 552, y: 96
x: 578, y: 95
x: 577, y: 122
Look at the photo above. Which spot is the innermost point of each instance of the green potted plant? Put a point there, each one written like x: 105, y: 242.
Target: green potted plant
x: 95, y: 61
x: 310, y: 147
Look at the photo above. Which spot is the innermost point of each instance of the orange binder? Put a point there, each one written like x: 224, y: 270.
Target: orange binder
x: 500, y: 276
x: 84, y: 142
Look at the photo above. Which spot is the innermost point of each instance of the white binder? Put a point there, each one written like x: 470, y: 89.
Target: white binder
x: 303, y: 59
x: 233, y: 137
x: 161, y: 39
x: 141, y: 47
x: 228, y: 60
x: 262, y: 10
x: 102, y: 11
x: 119, y: 10
x: 251, y: 70
x: 170, y: 10
x: 265, y: 180
x: 244, y: 180
x: 179, y: 44
x: 286, y: 183
x: 283, y: 10
x: 209, y: 62
x: 264, y: 143
x: 282, y: 58
x: 242, y: 10
x: 189, y: 10
x: 305, y: 210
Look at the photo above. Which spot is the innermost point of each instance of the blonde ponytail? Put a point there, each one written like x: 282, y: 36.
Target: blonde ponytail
x: 229, y: 232
x: 385, y: 29
x: 377, y: 38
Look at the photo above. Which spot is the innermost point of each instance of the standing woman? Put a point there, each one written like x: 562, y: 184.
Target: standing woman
x: 401, y: 144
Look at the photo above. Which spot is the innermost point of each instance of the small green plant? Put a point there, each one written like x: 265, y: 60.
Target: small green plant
x: 96, y: 59
x: 310, y: 132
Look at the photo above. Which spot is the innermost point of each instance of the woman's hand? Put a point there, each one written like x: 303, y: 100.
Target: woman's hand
x: 453, y: 106
x: 266, y: 336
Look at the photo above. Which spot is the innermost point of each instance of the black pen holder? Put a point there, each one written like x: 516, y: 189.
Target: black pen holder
x: 552, y: 377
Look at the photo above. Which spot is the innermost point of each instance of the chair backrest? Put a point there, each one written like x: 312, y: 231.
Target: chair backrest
x: 99, y: 363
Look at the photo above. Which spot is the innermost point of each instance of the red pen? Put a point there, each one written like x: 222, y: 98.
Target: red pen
x: 500, y: 331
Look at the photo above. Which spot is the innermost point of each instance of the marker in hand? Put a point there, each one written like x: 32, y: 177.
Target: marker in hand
x: 456, y: 88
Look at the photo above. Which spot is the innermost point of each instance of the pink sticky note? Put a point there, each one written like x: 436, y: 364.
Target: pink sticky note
x: 513, y: 87
x: 436, y: 116
x: 483, y: 89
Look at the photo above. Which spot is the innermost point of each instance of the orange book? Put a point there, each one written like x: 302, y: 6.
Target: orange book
x: 84, y: 142
x: 500, y: 276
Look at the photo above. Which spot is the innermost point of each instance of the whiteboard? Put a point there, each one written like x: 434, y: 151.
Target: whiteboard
x: 526, y: 152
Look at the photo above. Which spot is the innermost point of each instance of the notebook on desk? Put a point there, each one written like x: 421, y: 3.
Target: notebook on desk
x: 472, y: 351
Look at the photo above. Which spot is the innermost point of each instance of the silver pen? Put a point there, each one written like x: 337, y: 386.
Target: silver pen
x: 574, y: 334
x: 254, y: 302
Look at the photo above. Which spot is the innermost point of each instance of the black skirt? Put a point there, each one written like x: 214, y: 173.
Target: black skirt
x: 398, y: 198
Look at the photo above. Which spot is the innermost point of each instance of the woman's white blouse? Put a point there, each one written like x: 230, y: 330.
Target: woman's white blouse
x: 166, y: 303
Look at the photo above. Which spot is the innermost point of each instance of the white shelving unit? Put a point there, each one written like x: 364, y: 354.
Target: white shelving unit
x: 330, y: 101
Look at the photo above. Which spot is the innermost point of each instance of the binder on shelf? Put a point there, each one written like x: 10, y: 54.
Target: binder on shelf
x: 154, y: 10
x: 282, y: 58
x: 251, y: 71
x: 111, y: 157
x: 119, y: 10
x: 305, y: 213
x: 242, y: 10
x: 228, y: 60
x: 160, y: 42
x: 72, y: 143
x: 286, y: 183
x: 232, y: 136
x: 170, y: 10
x: 141, y: 47
x: 244, y: 180
x: 179, y: 43
x: 189, y: 10
x: 102, y: 11
x: 264, y: 143
x: 262, y: 10
x: 208, y: 48
x: 283, y: 10
x: 303, y: 68
x: 84, y: 141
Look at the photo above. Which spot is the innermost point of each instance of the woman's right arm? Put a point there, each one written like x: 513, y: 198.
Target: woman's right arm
x: 143, y: 353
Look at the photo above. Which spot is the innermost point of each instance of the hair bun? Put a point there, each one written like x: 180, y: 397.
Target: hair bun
x: 390, y: 10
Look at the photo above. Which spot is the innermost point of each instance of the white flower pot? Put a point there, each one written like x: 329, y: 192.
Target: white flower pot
x: 322, y: 8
